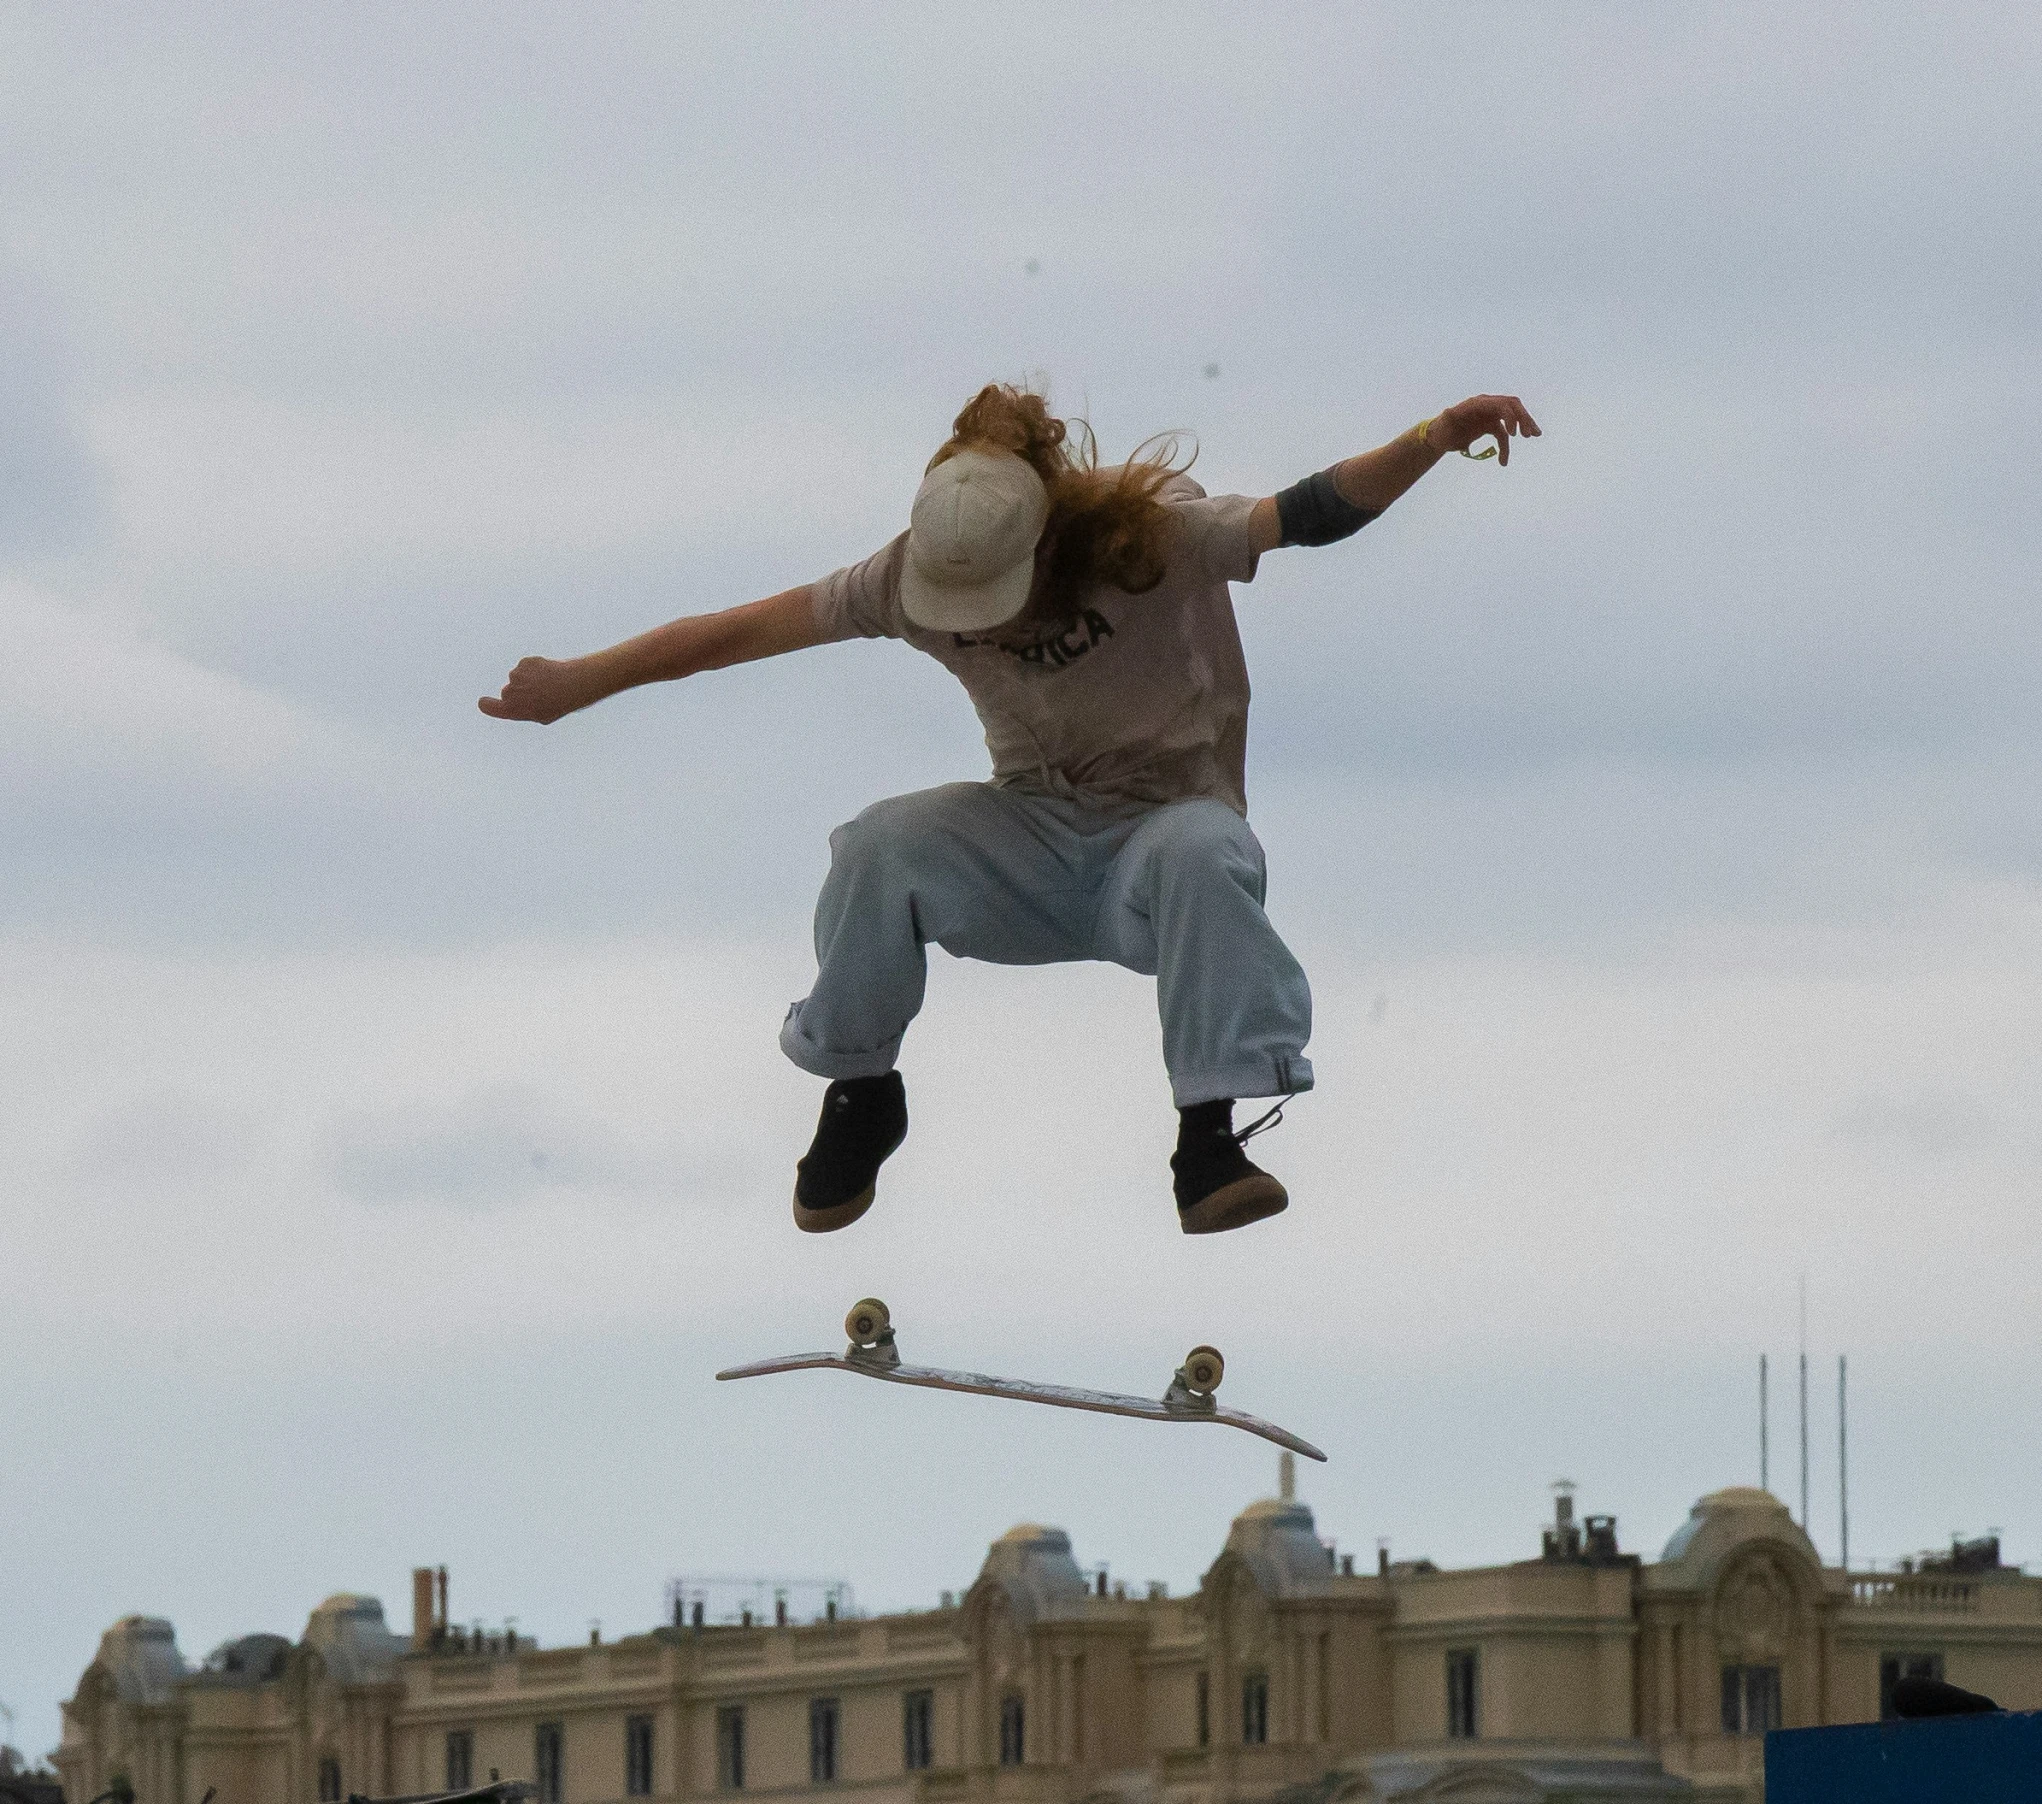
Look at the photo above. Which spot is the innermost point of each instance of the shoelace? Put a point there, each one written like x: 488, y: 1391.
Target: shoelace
x: 1260, y: 1125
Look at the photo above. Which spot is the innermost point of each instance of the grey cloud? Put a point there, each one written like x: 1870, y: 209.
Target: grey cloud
x: 51, y: 488
x: 1930, y: 1125
x: 171, y: 1138
x: 489, y: 1150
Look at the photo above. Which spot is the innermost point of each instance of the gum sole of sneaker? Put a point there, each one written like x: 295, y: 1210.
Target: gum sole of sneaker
x: 1235, y: 1205
x: 840, y: 1215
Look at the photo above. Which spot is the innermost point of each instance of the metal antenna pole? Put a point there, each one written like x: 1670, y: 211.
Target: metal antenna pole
x: 1764, y: 1432
x: 1804, y: 1403
x: 1843, y: 1462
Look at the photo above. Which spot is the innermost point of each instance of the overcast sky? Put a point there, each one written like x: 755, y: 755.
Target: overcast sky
x: 395, y: 1138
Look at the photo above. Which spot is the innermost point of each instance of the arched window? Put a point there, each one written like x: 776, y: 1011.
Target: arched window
x: 329, y: 1780
x: 1254, y: 1708
x: 1751, y: 1699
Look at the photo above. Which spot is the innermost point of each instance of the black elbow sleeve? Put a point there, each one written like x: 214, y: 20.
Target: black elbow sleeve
x: 1314, y: 512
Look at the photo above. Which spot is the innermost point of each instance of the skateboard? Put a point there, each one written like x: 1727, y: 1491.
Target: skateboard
x: 874, y: 1354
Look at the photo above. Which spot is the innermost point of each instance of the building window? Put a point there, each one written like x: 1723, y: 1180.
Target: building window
x: 1254, y: 1708
x: 917, y: 1717
x: 1204, y: 1708
x: 1013, y: 1730
x: 1895, y: 1667
x: 638, y: 1756
x: 460, y: 1759
x: 329, y: 1780
x: 1751, y: 1699
x: 730, y: 1747
x: 549, y: 1759
x: 822, y: 1741
x: 1463, y: 1693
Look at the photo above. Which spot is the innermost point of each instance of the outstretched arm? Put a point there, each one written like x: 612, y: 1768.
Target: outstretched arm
x: 1371, y: 481
x: 543, y: 689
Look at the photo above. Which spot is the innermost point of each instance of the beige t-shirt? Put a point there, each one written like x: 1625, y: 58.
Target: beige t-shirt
x: 1143, y: 701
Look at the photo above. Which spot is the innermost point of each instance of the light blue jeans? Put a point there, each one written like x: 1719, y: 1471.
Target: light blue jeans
x: 1174, y: 893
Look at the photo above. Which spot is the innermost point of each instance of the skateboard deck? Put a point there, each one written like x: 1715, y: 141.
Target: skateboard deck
x: 873, y: 1354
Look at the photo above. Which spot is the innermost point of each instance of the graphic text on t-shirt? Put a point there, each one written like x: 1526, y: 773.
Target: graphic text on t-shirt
x: 1055, y: 651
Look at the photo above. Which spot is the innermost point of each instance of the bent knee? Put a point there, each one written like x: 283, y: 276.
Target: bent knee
x: 892, y: 831
x: 1206, y: 840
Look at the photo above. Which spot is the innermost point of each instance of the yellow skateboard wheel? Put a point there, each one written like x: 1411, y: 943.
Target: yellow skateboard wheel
x: 1203, y: 1369
x: 869, y: 1320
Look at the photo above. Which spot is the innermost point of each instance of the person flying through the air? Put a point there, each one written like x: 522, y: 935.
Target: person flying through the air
x: 1086, y: 611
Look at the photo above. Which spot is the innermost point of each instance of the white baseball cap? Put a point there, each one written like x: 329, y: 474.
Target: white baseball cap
x: 971, y: 542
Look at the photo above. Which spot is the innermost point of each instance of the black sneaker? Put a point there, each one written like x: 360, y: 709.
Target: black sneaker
x: 1932, y: 1697
x: 1218, y: 1187
x: 863, y: 1120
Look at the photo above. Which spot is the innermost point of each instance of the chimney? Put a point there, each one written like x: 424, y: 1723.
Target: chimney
x: 440, y: 1622
x: 421, y: 1608
x: 1287, y: 1477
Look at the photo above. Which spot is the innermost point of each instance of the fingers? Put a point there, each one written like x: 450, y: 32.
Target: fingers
x: 1500, y: 417
x: 526, y: 695
x: 514, y: 704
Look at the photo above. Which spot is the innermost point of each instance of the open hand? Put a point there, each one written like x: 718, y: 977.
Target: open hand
x: 541, y: 689
x: 1500, y: 417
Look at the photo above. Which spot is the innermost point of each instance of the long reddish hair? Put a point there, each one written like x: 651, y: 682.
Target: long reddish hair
x: 1105, y: 526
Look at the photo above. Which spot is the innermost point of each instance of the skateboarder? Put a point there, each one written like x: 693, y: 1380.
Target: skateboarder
x: 1086, y: 610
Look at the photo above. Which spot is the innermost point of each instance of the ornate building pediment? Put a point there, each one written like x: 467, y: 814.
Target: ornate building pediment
x: 1757, y: 1608
x: 1236, y: 1607
x: 997, y: 1633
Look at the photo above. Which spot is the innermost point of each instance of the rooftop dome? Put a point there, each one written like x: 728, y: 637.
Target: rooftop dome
x: 1277, y: 1541
x: 1723, y: 1519
x: 247, y: 1660
x: 1033, y: 1565
x: 349, y: 1633
x: 352, y: 1603
x: 139, y: 1654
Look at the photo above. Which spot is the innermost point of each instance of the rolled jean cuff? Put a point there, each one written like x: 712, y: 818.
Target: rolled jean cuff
x: 822, y: 1062
x: 1287, y: 1074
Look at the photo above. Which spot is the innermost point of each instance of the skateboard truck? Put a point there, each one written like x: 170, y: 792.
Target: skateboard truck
x: 870, y: 1326
x: 1192, y: 1385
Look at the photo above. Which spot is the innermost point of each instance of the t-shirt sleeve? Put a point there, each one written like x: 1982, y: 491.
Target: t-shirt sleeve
x: 862, y: 601
x: 1215, y: 536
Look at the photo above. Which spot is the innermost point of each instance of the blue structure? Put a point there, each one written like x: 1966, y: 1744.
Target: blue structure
x: 1994, y: 1759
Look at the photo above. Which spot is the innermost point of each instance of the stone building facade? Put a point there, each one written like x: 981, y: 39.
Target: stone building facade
x: 1287, y: 1678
